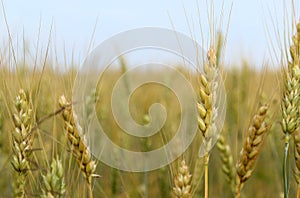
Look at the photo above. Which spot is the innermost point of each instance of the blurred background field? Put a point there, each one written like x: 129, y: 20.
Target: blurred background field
x: 245, y: 88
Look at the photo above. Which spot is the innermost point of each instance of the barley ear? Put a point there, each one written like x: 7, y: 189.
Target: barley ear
x: 182, y: 182
x: 22, y: 141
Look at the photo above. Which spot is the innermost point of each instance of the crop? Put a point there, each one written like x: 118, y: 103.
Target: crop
x: 45, y: 150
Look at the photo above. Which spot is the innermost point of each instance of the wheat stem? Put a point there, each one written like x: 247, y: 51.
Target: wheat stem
x: 297, y: 159
x: 90, y: 191
x: 285, y: 167
x: 206, y: 172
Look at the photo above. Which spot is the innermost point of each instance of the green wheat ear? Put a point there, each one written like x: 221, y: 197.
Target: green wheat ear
x: 291, y: 95
x: 53, y: 182
x: 291, y: 102
x: 290, y: 105
x: 227, y: 160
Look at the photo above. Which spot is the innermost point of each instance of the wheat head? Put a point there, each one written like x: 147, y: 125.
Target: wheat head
x: 257, y: 132
x: 182, y: 182
x: 22, y: 141
x: 80, y: 149
x: 227, y: 160
x: 53, y: 182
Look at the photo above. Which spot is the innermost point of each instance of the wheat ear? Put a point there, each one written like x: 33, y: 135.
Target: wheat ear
x: 257, y: 132
x: 289, y: 107
x: 22, y: 141
x: 206, y: 93
x: 182, y: 182
x: 54, y: 185
x: 227, y: 160
x: 80, y: 150
x: 207, y: 112
x: 291, y: 95
x: 290, y: 102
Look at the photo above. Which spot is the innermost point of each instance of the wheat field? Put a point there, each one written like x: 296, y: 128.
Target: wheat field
x: 44, y: 150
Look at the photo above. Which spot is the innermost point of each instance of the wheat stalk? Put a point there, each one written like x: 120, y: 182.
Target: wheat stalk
x: 1, y: 131
x: 297, y: 158
x: 80, y: 150
x: 22, y: 141
x: 54, y: 185
x: 182, y: 182
x: 253, y: 143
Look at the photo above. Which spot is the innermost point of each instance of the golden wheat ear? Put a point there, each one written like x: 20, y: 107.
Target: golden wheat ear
x: 206, y: 106
x: 206, y: 93
x: 80, y: 148
x: 257, y: 132
x: 182, y: 182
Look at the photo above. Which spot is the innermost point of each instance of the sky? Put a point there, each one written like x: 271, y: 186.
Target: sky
x: 74, y: 22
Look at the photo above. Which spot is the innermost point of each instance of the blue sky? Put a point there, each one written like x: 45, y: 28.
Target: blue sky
x: 74, y: 21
